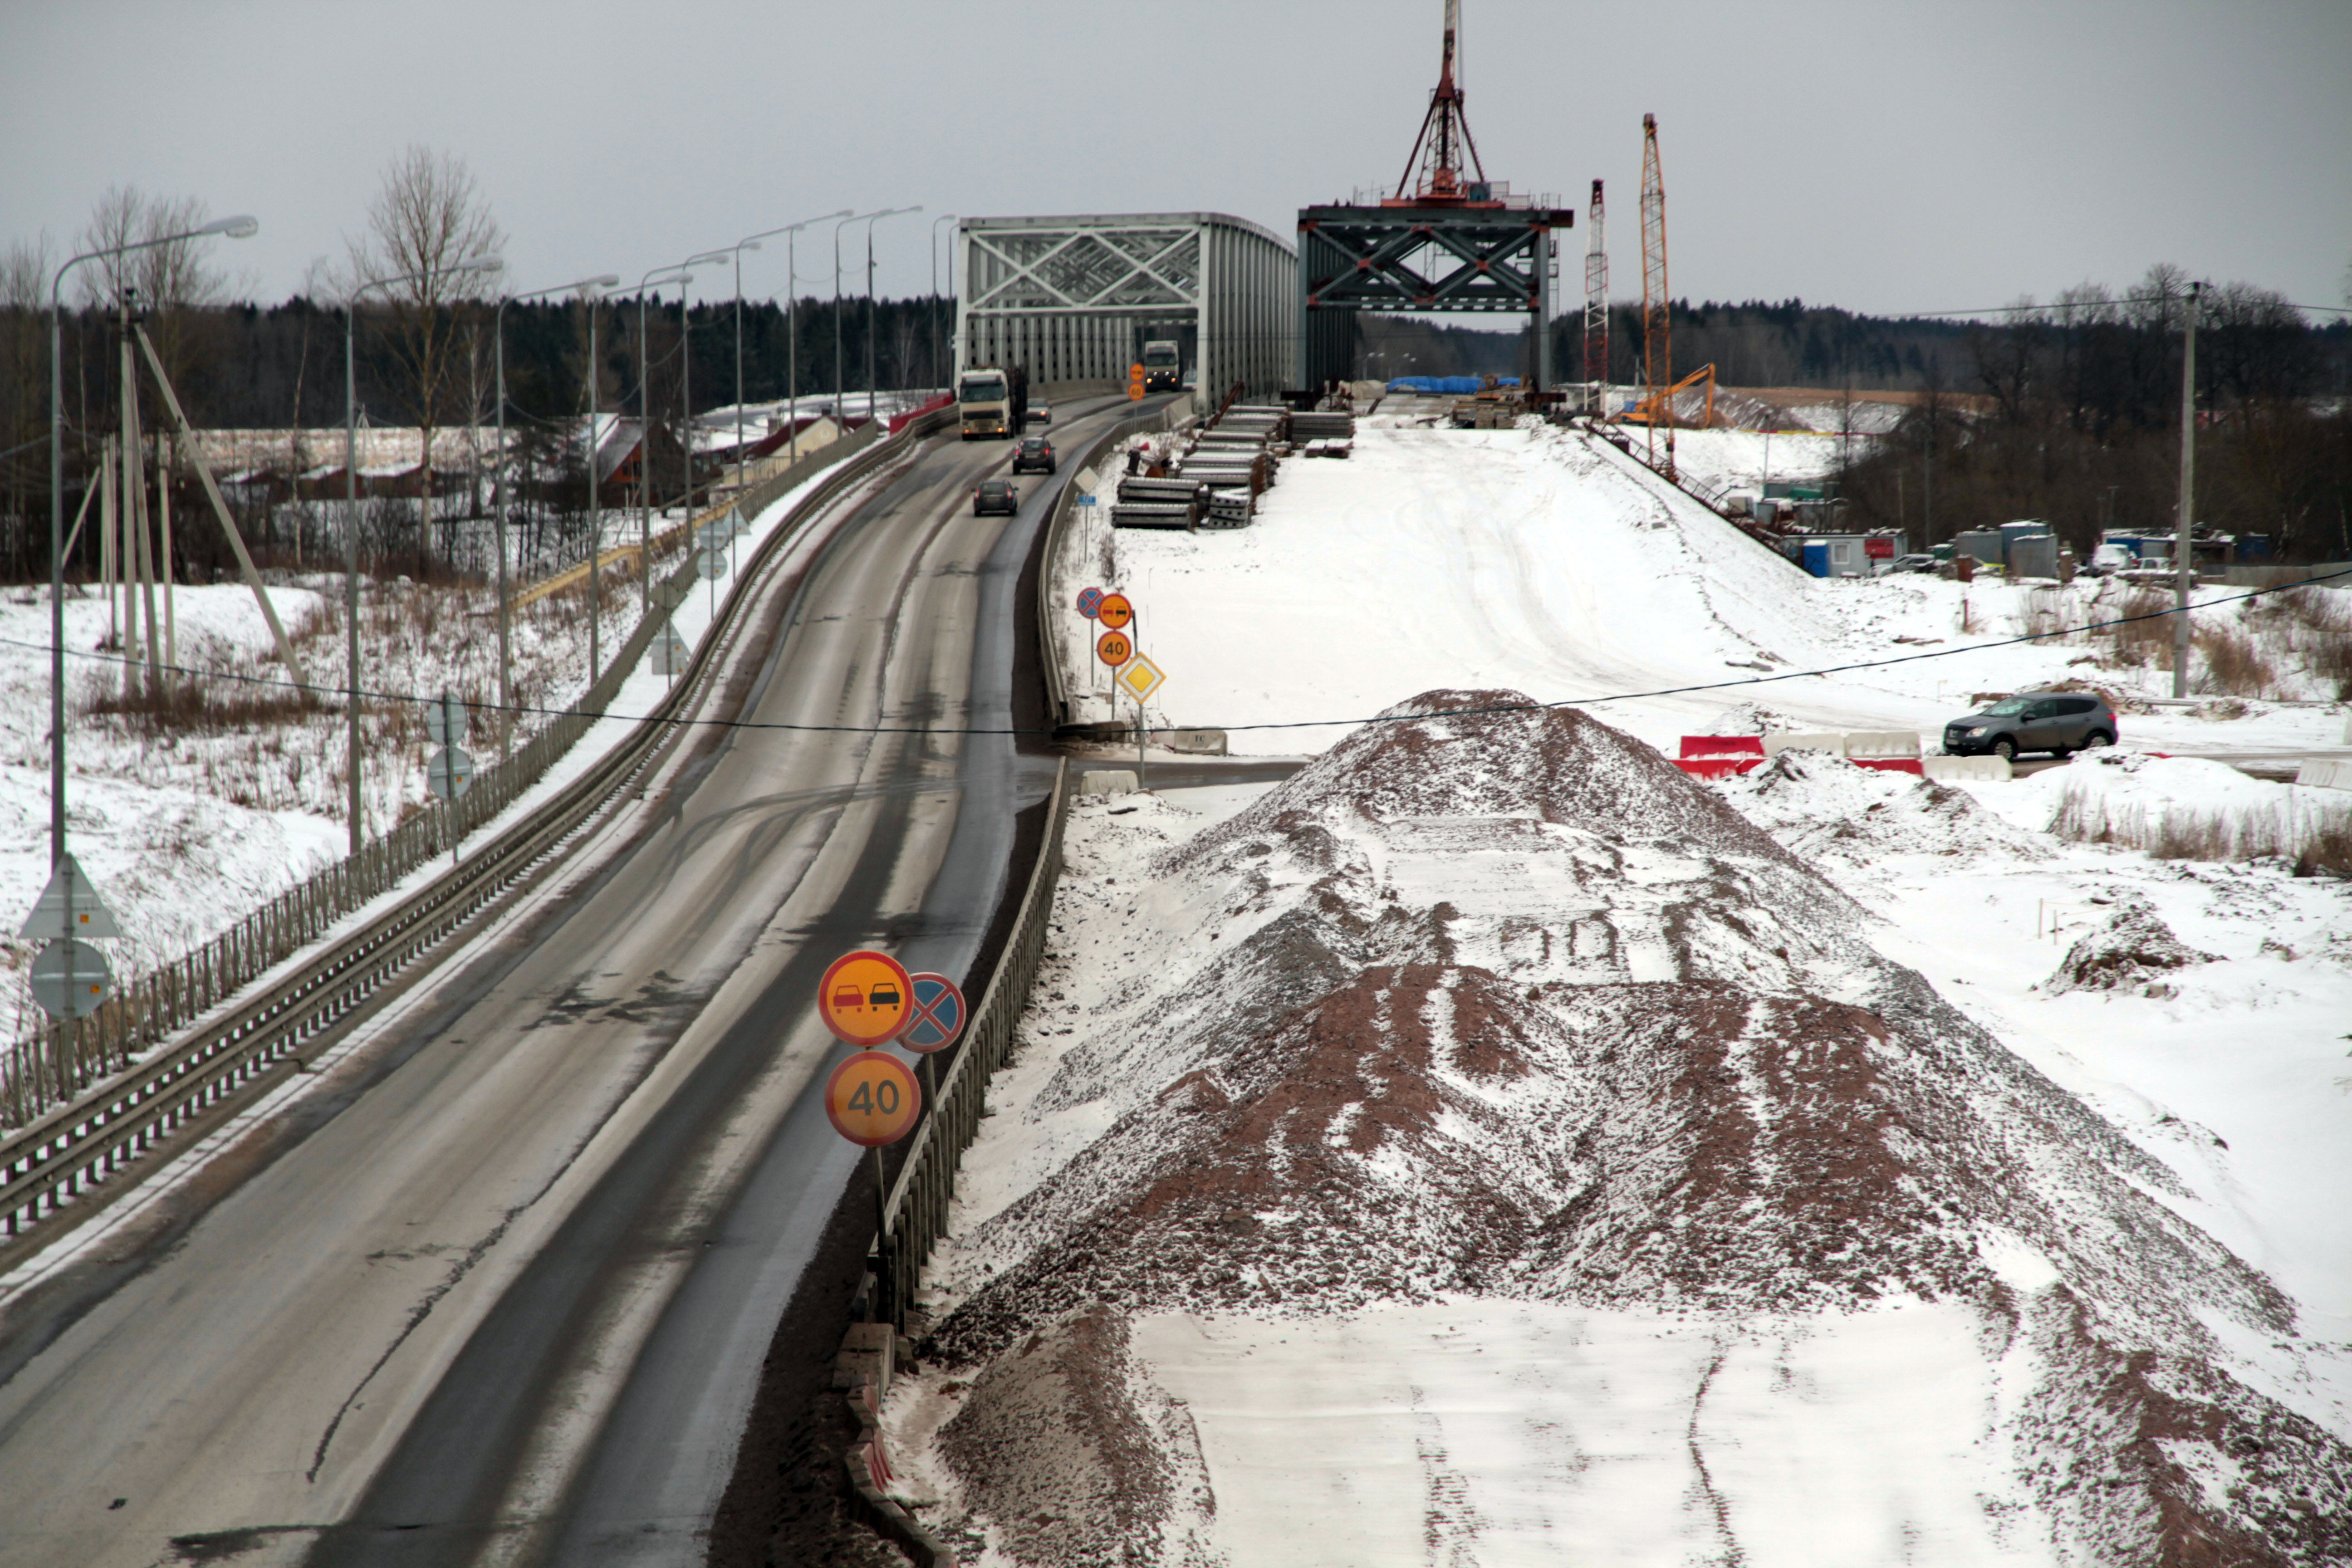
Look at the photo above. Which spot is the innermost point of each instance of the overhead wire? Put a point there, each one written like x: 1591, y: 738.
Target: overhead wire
x: 1590, y: 702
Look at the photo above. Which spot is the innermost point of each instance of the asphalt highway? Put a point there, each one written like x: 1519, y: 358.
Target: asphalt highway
x: 505, y: 1297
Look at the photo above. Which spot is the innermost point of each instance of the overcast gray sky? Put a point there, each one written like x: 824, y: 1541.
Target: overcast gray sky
x: 1882, y: 156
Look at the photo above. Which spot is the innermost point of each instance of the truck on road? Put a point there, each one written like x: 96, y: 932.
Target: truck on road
x: 1163, y: 367
x: 993, y: 404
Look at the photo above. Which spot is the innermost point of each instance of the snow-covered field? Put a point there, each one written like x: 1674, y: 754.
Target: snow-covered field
x: 1543, y: 561
x: 186, y: 824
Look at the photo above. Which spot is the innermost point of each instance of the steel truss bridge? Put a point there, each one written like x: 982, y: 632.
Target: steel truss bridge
x: 1404, y: 256
x: 1073, y: 299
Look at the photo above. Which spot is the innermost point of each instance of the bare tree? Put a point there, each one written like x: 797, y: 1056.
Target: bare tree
x: 25, y: 268
x: 175, y: 284
x: 428, y: 218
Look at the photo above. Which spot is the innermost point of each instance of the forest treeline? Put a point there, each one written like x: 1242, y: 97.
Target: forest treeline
x: 246, y: 366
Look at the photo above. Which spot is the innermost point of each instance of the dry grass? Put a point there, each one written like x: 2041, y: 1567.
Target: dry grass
x: 2234, y: 666
x: 2316, y: 626
x: 2307, y: 828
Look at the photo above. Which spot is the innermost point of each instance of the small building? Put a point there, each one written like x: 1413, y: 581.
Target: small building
x: 1830, y: 554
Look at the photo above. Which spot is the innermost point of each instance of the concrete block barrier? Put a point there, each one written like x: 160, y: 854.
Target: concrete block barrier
x: 1108, y: 781
x: 1993, y: 768
x: 2324, y: 774
x: 1827, y: 740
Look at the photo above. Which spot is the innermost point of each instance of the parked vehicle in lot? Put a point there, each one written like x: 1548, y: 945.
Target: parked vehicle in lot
x: 2109, y: 558
x: 1040, y: 412
x: 1035, y: 454
x: 994, y: 494
x: 1912, y: 564
x: 2058, y: 722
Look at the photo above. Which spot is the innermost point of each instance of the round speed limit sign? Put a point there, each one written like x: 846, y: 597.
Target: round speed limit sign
x: 872, y: 1098
x: 1114, y: 648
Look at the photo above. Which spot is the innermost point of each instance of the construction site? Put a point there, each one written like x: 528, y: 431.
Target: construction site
x: 1297, y: 896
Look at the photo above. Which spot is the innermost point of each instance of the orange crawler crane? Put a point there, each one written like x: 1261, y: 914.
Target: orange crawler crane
x: 1658, y: 408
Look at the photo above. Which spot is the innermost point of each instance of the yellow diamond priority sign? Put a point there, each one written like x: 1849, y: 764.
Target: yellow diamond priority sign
x: 1141, y: 678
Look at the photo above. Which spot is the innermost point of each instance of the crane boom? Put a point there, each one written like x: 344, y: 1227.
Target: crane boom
x: 1657, y: 346
x: 1596, y: 301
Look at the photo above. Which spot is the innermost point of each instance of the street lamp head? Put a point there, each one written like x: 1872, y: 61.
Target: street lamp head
x: 485, y: 263
x: 706, y: 256
x: 610, y: 280
x: 749, y: 245
x: 243, y: 225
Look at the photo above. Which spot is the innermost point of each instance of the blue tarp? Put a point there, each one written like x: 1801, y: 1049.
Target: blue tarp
x: 1453, y: 386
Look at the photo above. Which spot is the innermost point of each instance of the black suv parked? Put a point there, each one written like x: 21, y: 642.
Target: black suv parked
x: 2057, y: 722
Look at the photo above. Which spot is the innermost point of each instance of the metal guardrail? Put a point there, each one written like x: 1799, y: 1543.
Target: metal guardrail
x: 1057, y: 690
x: 916, y: 1214
x: 198, y: 1080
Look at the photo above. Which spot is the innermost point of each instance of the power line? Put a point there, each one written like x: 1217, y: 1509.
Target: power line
x: 757, y: 724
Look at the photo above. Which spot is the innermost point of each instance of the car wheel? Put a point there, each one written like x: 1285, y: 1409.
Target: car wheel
x: 2096, y: 738
x: 2005, y: 748
x: 2060, y: 753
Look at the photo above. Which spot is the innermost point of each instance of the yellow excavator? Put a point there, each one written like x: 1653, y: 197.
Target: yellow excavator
x: 1659, y: 409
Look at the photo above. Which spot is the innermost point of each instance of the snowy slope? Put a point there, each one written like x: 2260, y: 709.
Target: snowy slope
x: 1543, y: 561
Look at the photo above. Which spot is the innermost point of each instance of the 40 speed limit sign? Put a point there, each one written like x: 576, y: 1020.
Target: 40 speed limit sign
x: 872, y: 1098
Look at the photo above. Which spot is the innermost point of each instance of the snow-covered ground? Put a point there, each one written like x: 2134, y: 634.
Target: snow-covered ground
x: 184, y: 827
x: 1471, y: 1153
x: 1391, y: 1423
x: 1540, y: 560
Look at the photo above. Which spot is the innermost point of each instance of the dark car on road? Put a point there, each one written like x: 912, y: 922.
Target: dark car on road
x: 994, y: 494
x: 1034, y: 453
x: 2058, y: 722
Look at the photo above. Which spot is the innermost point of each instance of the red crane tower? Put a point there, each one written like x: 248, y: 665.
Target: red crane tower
x: 1445, y: 134
x: 1596, y: 304
x: 1657, y: 344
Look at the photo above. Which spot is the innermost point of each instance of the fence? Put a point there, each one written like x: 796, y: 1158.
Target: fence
x: 59, y: 1060
x: 916, y: 1215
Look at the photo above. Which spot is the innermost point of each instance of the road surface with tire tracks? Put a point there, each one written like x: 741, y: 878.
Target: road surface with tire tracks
x: 500, y: 1289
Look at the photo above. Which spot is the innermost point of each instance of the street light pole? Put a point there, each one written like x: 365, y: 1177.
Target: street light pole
x: 351, y: 516
x: 686, y: 379
x: 594, y: 286
x: 238, y: 228
x: 836, y: 310
x: 739, y: 247
x: 871, y: 387
x: 2184, y: 552
x: 938, y: 346
x: 645, y: 414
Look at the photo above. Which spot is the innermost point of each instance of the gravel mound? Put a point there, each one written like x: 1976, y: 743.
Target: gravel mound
x: 1504, y: 1003
x: 2131, y: 948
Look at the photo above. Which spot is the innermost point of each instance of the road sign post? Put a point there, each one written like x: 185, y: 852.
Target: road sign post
x: 1141, y: 678
x: 938, y: 1015
x: 449, y: 772
x: 70, y: 977
x: 862, y: 998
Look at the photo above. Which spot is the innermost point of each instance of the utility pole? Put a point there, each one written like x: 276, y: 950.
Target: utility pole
x: 2184, y: 570
x: 595, y: 514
